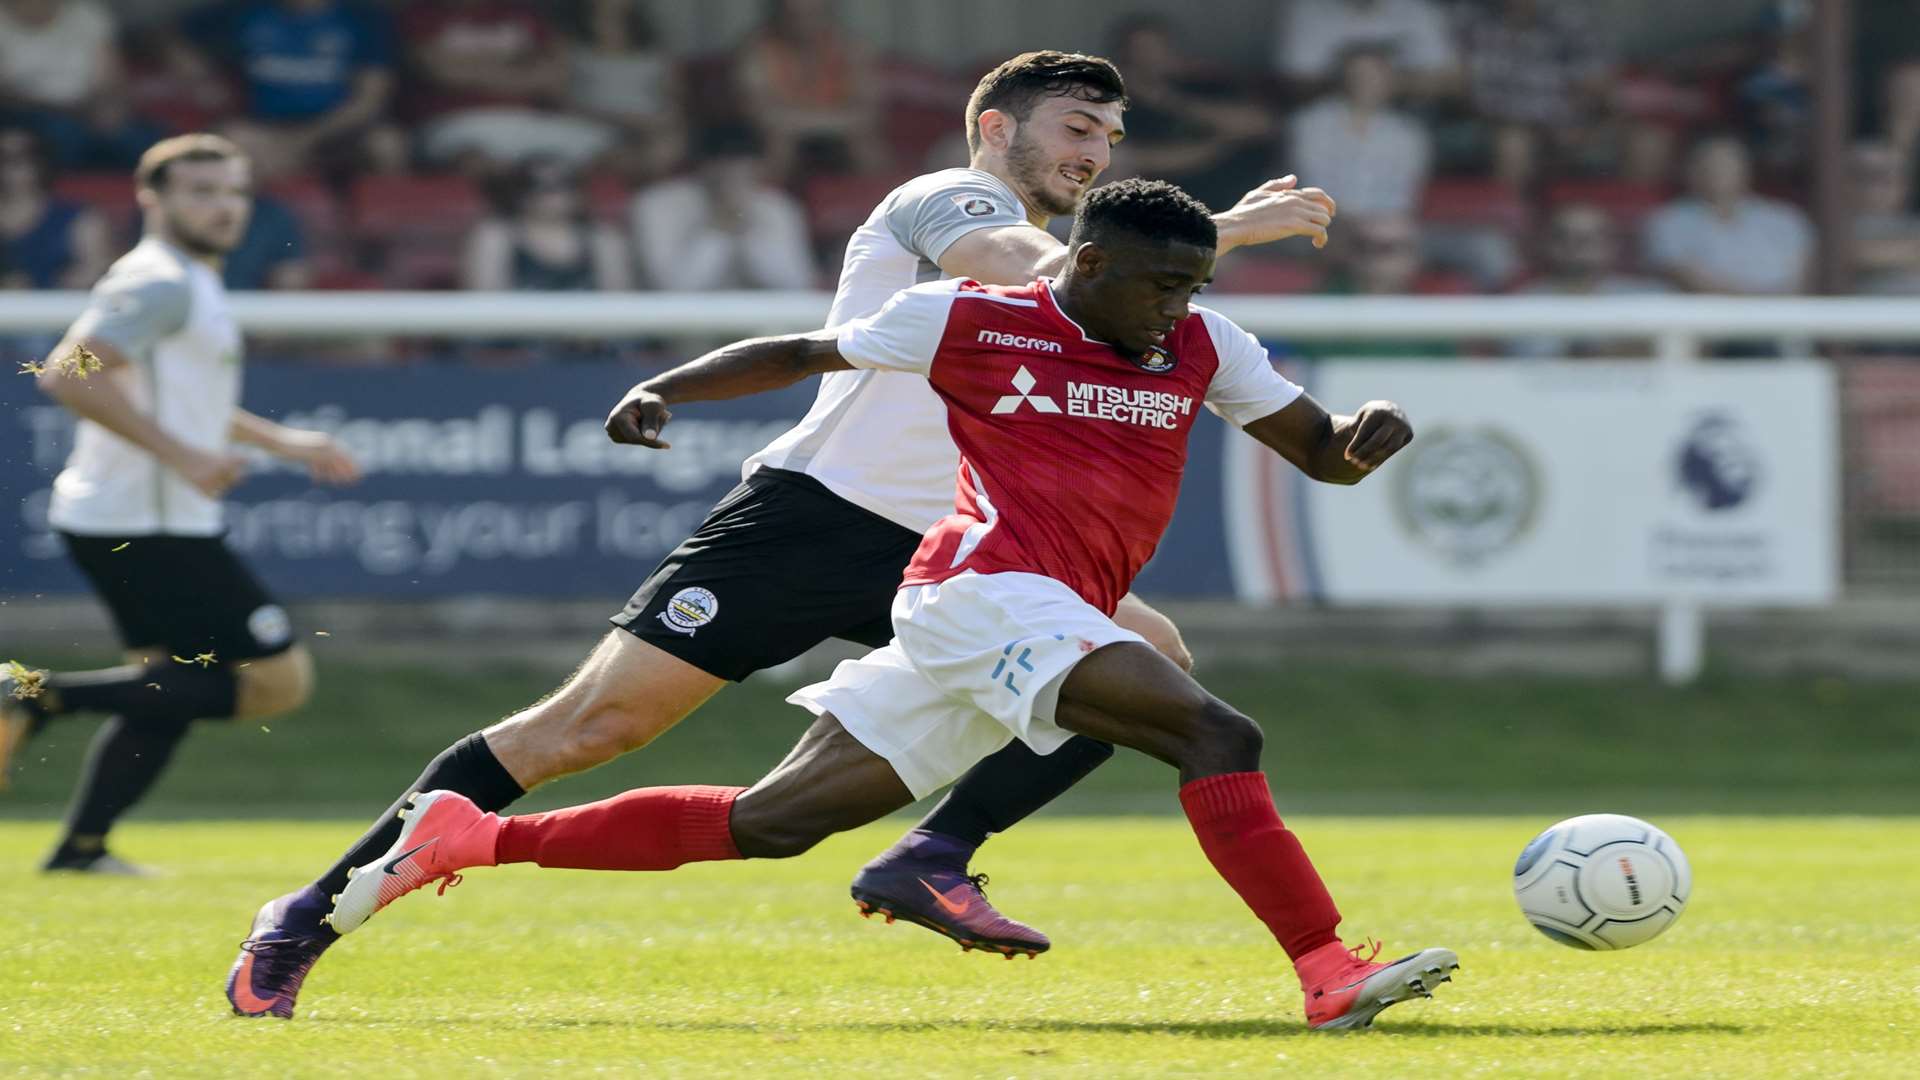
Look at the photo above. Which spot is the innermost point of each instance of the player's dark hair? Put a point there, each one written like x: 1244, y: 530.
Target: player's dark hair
x: 1018, y: 84
x: 1153, y: 209
x: 152, y: 170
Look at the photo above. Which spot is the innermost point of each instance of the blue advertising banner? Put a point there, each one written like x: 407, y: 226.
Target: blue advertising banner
x: 488, y: 481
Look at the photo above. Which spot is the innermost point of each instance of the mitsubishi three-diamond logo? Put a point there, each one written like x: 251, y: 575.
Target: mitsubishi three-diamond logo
x: 1023, y: 381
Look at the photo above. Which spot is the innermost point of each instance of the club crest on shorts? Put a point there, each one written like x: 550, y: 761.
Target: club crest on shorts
x: 1155, y: 361
x: 270, y: 625
x: 974, y: 205
x: 690, y: 609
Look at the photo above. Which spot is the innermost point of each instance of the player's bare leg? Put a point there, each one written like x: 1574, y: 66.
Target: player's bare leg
x: 1129, y: 694
x: 828, y: 784
x: 926, y: 876
x: 625, y: 694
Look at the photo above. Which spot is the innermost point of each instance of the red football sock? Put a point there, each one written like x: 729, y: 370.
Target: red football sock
x: 645, y: 829
x: 1239, y: 829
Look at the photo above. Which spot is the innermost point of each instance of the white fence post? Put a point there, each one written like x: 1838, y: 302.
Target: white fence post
x: 1682, y: 635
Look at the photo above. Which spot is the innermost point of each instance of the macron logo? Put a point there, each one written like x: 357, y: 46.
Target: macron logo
x: 1023, y: 381
x: 1018, y: 341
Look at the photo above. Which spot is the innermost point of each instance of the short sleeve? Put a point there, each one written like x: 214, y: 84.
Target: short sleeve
x: 903, y: 335
x: 133, y: 312
x: 930, y: 213
x: 1245, y: 387
x: 1664, y: 241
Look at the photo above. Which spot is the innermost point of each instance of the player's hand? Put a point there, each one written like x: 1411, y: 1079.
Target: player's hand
x: 329, y: 463
x: 1380, y: 429
x: 638, y: 420
x: 211, y: 474
x: 1276, y: 210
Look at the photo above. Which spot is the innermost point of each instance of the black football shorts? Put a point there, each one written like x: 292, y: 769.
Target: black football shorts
x: 185, y: 594
x: 779, y: 565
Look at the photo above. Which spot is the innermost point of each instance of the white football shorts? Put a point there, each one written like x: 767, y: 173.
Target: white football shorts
x: 976, y: 661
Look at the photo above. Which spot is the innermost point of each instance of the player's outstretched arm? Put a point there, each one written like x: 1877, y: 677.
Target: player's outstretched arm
x: 1016, y: 254
x: 736, y: 370
x: 1276, y: 210
x: 1334, y: 449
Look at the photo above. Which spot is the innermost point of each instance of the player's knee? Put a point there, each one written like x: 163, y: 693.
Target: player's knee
x: 273, y: 685
x: 1227, y: 739
x: 771, y: 837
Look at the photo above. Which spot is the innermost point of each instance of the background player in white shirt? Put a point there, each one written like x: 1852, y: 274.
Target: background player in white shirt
x: 812, y: 543
x: 138, y: 503
x: 1071, y: 403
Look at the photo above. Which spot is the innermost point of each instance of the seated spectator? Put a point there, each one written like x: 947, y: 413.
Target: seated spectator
x: 1886, y: 232
x: 1314, y: 36
x: 317, y: 77
x: 1582, y: 255
x: 724, y: 227
x: 810, y: 88
x: 1383, y: 258
x: 1536, y: 70
x: 1211, y: 147
x: 48, y: 242
x: 273, y: 252
x: 543, y: 240
x: 1366, y: 154
x: 1775, y: 98
x: 1722, y: 238
x: 488, y: 77
x: 60, y: 76
x: 623, y: 77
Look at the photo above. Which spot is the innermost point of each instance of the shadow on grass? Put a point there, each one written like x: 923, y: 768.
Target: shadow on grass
x: 1197, y: 1029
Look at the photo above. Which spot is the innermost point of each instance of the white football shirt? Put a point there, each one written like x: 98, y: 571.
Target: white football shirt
x: 168, y: 314
x: 879, y: 438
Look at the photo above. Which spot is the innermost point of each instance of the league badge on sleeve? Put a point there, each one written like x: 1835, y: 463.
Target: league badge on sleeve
x: 974, y: 205
x: 690, y: 609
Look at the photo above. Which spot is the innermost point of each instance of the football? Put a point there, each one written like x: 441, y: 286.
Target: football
x: 1602, y: 881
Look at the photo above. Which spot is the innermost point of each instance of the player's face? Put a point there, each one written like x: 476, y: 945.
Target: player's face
x: 1132, y: 294
x: 205, y: 205
x: 1060, y: 149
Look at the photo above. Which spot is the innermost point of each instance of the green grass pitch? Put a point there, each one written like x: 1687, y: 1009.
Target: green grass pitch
x: 1799, y: 956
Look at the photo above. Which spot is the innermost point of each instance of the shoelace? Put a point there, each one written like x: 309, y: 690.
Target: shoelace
x: 448, y: 881
x: 1367, y: 959
x: 285, y: 961
x: 979, y: 883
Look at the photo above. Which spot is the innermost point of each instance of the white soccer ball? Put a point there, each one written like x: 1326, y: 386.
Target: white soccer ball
x: 1602, y: 881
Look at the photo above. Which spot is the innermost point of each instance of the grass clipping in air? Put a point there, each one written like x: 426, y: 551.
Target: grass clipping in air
x: 78, y: 364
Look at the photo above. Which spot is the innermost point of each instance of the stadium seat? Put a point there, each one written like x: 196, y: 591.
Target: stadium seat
x: 837, y: 205
x: 389, y: 207
x: 310, y: 201
x: 1444, y: 283
x: 609, y: 197
x: 423, y: 265
x: 1628, y: 204
x: 1250, y: 273
x: 1475, y: 201
x: 109, y: 193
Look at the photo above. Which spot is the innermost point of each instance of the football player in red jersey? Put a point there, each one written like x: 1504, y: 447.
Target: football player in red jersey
x: 1070, y: 402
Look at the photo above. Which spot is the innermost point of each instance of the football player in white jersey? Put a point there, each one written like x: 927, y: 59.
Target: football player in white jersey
x: 812, y: 543
x: 138, y: 504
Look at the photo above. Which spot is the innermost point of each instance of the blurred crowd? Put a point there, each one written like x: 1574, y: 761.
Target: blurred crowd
x: 1480, y: 146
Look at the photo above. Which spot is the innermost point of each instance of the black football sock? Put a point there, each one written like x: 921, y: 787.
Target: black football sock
x: 1009, y: 784
x: 467, y: 767
x: 121, y: 766
x: 160, y: 693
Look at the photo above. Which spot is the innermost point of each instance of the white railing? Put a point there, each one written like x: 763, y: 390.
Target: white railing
x: 1678, y: 320
x: 1676, y: 326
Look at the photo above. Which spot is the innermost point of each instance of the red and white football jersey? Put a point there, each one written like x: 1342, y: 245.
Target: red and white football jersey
x: 1070, y: 452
